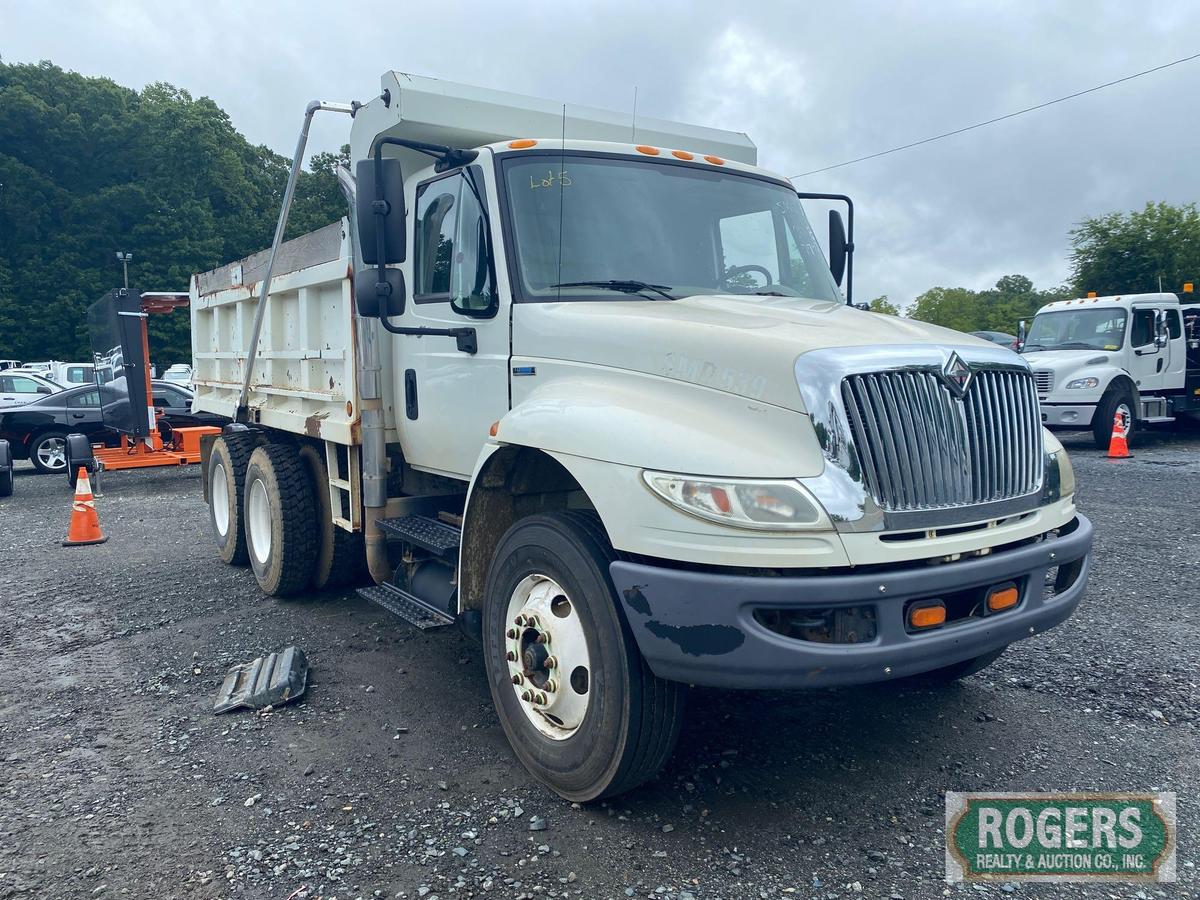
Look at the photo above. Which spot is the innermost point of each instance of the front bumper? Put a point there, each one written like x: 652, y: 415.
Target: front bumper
x: 1056, y: 415
x: 700, y: 627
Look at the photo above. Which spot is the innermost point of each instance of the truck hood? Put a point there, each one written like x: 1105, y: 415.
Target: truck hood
x: 1065, y: 360
x: 734, y: 343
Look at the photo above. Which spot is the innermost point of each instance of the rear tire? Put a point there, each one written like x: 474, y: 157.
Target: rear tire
x: 79, y: 453
x: 280, y: 520
x: 6, y: 469
x: 48, y: 452
x: 631, y: 719
x: 1102, y: 424
x: 226, y: 480
x: 341, y: 559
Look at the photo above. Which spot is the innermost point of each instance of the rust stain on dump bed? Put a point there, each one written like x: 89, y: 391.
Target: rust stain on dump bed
x: 312, y: 425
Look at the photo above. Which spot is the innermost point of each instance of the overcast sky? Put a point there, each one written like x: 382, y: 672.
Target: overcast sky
x: 812, y: 84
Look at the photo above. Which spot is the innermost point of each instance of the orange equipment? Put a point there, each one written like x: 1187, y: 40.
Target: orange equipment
x: 1118, y: 447
x: 85, y: 523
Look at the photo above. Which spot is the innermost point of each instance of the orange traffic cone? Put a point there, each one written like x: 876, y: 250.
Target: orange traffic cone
x: 85, y: 524
x: 1118, y: 447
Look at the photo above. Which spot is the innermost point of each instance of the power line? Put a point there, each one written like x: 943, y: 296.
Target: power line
x: 1011, y: 115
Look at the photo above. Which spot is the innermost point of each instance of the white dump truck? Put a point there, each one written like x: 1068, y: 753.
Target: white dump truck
x: 1136, y: 356
x: 589, y: 388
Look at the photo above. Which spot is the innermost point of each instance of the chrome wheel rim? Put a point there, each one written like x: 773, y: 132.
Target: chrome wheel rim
x: 258, y: 522
x: 52, y: 453
x: 218, y: 490
x: 546, y: 650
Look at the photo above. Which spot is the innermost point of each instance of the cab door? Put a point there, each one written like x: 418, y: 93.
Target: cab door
x: 447, y: 397
x: 1148, y: 361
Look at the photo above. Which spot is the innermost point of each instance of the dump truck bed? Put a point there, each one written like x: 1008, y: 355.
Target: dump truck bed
x: 304, y: 375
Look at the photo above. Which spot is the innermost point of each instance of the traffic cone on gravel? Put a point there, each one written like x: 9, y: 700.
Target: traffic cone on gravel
x: 1118, y: 447
x: 85, y: 524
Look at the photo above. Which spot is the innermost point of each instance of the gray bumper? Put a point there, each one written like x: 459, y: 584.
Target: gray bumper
x: 699, y: 627
x: 1063, y: 416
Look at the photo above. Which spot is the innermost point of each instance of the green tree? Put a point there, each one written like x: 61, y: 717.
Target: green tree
x: 88, y: 167
x: 882, y: 304
x: 1123, y: 253
x: 998, y: 308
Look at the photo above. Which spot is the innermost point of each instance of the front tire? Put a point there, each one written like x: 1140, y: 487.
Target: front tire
x: 596, y: 722
x: 1102, y: 424
x: 280, y: 520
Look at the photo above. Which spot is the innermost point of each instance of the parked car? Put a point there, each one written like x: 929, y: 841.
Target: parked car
x: 998, y: 337
x: 38, y: 431
x: 179, y: 374
x: 9, y: 364
x: 19, y: 387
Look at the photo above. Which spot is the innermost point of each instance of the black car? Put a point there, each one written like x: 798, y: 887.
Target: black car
x: 38, y: 431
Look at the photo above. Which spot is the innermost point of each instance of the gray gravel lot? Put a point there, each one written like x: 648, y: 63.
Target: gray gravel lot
x: 392, y: 777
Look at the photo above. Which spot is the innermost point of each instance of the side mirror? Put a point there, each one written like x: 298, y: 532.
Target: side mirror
x: 1021, y: 332
x: 42, y: 389
x: 380, y: 212
x: 374, y: 298
x: 837, y: 246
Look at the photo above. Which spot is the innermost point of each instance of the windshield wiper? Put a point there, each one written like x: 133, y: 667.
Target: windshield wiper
x: 624, y: 286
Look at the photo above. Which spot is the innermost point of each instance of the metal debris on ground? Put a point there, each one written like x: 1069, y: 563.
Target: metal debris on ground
x: 270, y: 680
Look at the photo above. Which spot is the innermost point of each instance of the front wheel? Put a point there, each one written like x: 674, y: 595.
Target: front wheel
x: 48, y: 452
x: 1106, y: 412
x: 581, y: 709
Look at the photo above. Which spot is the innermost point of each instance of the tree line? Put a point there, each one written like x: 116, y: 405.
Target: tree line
x: 1119, y: 253
x: 89, y: 168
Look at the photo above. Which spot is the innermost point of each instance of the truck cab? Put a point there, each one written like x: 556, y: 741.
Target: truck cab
x: 1096, y: 358
x: 589, y: 388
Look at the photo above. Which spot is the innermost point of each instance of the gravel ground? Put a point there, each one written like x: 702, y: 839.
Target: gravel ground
x: 392, y: 778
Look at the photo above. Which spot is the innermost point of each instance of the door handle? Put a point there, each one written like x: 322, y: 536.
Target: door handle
x: 77, y: 415
x: 1158, y: 368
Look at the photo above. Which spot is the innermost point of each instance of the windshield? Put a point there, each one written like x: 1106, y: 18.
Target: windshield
x: 656, y: 230
x: 1077, y: 329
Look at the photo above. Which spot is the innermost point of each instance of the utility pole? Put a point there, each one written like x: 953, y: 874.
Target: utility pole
x: 125, y: 259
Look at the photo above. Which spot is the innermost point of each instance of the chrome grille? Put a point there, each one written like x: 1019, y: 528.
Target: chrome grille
x: 921, y: 447
x: 1045, y: 381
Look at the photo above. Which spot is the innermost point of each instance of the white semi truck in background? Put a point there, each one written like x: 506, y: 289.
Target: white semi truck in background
x: 1132, y: 355
x: 591, y: 390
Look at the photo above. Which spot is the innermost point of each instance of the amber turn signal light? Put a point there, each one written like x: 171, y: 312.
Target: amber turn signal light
x: 1002, y: 598
x: 927, y: 615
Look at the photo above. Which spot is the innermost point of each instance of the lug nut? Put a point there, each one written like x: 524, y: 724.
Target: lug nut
x: 551, y: 685
x: 513, y: 634
x: 543, y: 638
x: 518, y: 678
x: 531, y: 621
x: 511, y: 656
x: 526, y: 696
x: 519, y: 621
x: 552, y: 662
x: 542, y: 700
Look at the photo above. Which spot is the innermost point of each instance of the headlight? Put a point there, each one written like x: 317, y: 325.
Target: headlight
x: 1059, y: 480
x: 1080, y: 384
x: 762, y: 505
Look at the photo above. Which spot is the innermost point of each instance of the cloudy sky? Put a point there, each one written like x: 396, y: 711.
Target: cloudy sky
x: 812, y: 84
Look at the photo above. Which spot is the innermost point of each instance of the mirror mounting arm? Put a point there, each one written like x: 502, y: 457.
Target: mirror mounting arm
x: 841, y: 198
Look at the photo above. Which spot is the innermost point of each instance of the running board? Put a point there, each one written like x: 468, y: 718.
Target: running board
x: 413, y: 610
x: 1158, y: 420
x: 430, y: 534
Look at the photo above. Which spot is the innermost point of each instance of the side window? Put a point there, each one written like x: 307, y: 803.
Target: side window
x: 1174, y: 326
x: 434, y: 239
x: 22, y: 385
x: 78, y: 375
x: 749, y: 246
x: 1141, y: 332
x: 84, y: 400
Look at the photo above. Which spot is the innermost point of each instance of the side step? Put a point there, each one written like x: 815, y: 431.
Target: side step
x: 429, y: 534
x: 412, y: 610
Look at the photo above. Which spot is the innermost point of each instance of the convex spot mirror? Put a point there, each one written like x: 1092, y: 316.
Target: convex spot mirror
x: 376, y: 218
x: 837, y: 246
x: 1160, y: 328
x: 374, y: 298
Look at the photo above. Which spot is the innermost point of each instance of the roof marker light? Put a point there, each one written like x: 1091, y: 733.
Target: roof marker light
x: 1187, y: 287
x: 649, y: 151
x: 715, y: 160
x: 682, y: 154
x: 521, y: 143
x: 1091, y: 294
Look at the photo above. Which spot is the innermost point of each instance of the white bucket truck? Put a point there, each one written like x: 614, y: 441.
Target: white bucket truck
x: 1133, y: 355
x: 592, y: 391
